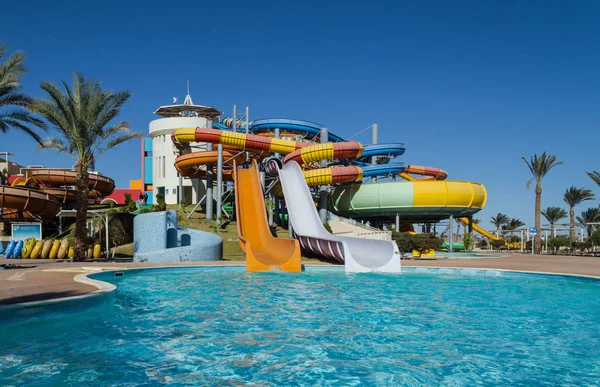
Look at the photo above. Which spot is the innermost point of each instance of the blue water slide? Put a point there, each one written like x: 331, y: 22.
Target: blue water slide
x: 392, y: 149
x: 305, y: 128
x: 382, y: 169
x: 218, y: 125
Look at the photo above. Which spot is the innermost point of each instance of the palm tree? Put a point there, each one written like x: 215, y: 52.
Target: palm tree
x: 553, y: 215
x: 476, y: 221
x: 574, y: 196
x: 14, y: 105
x: 498, y: 221
x: 83, y: 116
x: 594, y: 176
x: 591, y: 215
x: 539, y: 166
x: 513, y: 224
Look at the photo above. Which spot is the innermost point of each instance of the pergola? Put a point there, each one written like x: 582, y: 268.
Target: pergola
x: 91, y: 214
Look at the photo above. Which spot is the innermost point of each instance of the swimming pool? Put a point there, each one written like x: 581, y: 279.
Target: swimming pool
x: 223, y: 327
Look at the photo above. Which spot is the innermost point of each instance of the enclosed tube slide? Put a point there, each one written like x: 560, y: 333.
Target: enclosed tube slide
x: 191, y: 164
x: 416, y: 201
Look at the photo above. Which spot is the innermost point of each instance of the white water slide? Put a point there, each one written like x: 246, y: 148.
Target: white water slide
x: 357, y: 254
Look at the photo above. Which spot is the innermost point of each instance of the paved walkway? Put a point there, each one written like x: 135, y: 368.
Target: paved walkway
x: 52, y: 279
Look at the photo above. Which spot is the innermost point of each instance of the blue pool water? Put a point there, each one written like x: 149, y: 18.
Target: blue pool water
x: 312, y: 329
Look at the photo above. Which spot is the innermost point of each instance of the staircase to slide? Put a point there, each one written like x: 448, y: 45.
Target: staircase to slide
x: 349, y: 227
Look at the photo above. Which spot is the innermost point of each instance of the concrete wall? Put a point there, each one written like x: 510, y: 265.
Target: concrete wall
x: 157, y: 238
x: 164, y: 174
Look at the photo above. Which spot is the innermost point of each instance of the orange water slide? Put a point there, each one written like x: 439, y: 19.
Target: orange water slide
x: 193, y: 164
x: 263, y: 250
x: 56, y: 178
x: 427, y: 173
x: 20, y: 202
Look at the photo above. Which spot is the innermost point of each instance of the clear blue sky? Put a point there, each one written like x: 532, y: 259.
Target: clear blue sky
x: 469, y: 87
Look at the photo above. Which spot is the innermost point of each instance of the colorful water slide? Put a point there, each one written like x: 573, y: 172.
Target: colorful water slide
x: 480, y: 230
x: 22, y: 202
x: 263, y: 250
x: 308, y: 129
x: 429, y: 173
x: 418, y: 201
x: 192, y: 164
x: 358, y: 255
x: 99, y: 184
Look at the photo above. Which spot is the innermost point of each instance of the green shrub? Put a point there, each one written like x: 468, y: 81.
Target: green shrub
x: 468, y: 241
x: 595, y: 238
x: 497, y: 244
x: 482, y: 244
x: 582, y: 246
x: 554, y: 244
x: 130, y: 205
x: 404, y: 241
x: 160, y: 205
x: 327, y: 227
x: 184, y: 202
x: 425, y: 242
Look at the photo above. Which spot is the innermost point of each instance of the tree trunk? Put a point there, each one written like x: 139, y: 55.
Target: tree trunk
x: 538, y: 211
x: 572, y: 225
x: 81, y: 216
x: 553, y: 230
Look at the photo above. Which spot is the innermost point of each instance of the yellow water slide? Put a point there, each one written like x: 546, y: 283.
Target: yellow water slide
x: 263, y: 250
x: 479, y: 229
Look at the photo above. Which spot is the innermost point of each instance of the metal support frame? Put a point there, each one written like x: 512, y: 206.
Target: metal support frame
x: 375, y: 139
x: 180, y: 190
x: 220, y: 171
x: 450, y: 234
x: 324, y: 137
x: 95, y: 215
x: 209, y: 189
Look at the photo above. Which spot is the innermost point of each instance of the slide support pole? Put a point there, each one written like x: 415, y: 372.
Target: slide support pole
x: 324, y: 136
x: 375, y: 139
x: 209, y: 189
x: 450, y: 234
x: 106, y: 234
x: 180, y: 191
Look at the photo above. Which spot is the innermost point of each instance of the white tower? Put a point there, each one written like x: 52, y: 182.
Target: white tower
x: 165, y: 178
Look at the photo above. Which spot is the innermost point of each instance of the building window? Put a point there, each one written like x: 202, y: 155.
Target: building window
x: 163, y: 166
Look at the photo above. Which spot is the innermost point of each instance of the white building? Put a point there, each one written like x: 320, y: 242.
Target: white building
x: 165, y: 178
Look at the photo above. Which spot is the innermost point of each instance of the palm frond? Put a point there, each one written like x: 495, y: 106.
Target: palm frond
x: 554, y: 214
x: 119, y: 140
x: 574, y: 196
x: 56, y: 144
x: 528, y: 184
x: 594, y: 176
x: 111, y: 109
x: 19, y: 126
x: 10, y: 97
x: 540, y: 165
x: 12, y: 69
x: 82, y: 113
